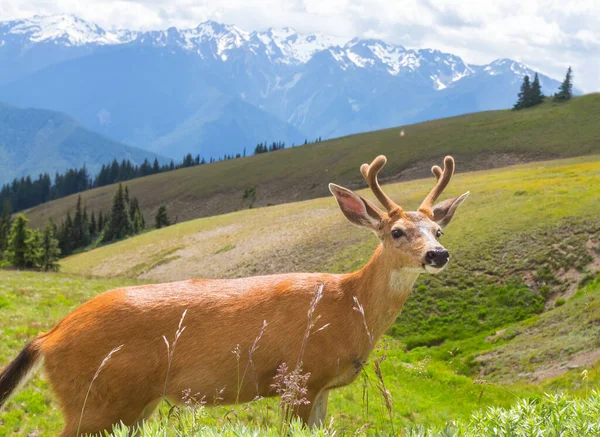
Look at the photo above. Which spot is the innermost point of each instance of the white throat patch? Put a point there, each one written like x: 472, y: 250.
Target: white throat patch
x: 403, y: 280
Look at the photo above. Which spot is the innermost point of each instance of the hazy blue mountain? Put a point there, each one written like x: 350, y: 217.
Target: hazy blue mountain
x: 34, y: 141
x: 216, y: 89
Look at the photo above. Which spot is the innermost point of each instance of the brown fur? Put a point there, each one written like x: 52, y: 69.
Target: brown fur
x: 224, y: 313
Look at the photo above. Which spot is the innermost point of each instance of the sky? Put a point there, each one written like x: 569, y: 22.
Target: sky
x: 546, y: 35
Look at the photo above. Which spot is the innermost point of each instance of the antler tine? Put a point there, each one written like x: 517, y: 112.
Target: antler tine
x: 443, y: 177
x: 370, y: 173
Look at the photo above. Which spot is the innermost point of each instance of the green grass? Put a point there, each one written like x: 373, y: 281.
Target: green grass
x: 481, y: 140
x: 31, y: 303
x: 554, y: 414
x: 528, y: 234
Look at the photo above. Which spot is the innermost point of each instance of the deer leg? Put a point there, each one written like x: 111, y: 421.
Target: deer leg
x: 319, y: 410
x: 313, y: 413
x: 145, y: 415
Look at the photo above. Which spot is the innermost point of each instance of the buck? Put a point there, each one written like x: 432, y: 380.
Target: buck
x: 220, y: 314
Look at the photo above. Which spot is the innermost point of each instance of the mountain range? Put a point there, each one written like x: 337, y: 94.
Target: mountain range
x: 34, y: 141
x: 218, y: 89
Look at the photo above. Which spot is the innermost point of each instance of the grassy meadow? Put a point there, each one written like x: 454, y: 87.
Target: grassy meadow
x: 515, y: 315
x: 482, y: 140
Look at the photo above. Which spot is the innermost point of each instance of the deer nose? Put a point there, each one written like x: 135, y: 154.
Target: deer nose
x: 437, y: 257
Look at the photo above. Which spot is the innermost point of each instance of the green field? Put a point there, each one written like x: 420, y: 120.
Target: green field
x: 425, y: 389
x: 490, y: 330
x: 478, y: 141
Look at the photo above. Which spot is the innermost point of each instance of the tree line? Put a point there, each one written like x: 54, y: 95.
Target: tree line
x: 25, y: 248
x: 531, y: 93
x: 25, y: 192
x: 275, y: 146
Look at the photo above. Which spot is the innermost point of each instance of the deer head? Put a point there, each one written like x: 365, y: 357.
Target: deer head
x: 410, y: 239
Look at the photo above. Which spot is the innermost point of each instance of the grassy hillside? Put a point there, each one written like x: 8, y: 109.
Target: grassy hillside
x: 477, y: 335
x: 34, y: 141
x: 478, y: 141
x: 526, y: 237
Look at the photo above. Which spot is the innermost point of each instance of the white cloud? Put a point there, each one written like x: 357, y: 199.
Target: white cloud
x: 548, y: 35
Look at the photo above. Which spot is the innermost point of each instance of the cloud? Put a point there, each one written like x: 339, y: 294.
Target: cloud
x: 548, y: 35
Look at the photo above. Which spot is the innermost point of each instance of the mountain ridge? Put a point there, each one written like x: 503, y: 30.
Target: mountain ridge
x: 142, y: 88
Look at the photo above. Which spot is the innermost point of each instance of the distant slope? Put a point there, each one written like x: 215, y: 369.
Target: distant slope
x: 34, y: 141
x: 217, y: 129
x: 478, y: 141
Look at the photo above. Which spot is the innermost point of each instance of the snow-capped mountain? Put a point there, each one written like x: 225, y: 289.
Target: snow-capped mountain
x: 216, y: 88
x: 64, y: 30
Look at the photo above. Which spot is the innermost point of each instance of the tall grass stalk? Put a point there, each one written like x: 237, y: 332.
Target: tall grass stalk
x: 359, y: 308
x: 87, y: 394
x: 171, y: 350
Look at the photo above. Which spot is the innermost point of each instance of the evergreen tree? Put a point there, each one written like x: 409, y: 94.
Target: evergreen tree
x: 137, y: 218
x: 33, y: 249
x: 565, y: 91
x: 78, y: 230
x: 537, y: 96
x: 119, y: 226
x: 100, y: 222
x: 93, y: 229
x: 524, y: 96
x: 17, y: 242
x: 5, y: 224
x: 65, y: 233
x: 162, y: 219
x: 48, y: 251
x: 156, y: 166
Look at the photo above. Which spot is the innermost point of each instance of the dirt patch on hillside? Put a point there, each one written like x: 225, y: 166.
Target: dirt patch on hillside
x: 571, y: 278
x: 555, y: 368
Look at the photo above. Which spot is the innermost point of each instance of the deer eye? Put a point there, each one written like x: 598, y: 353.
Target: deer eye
x: 439, y: 233
x: 397, y: 233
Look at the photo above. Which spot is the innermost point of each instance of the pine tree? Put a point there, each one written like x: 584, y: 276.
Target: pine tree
x: 33, y: 249
x: 93, y: 229
x: 537, y: 96
x: 77, y: 232
x: 162, y: 219
x: 5, y: 224
x: 17, y: 246
x: 49, y: 252
x: 100, y: 222
x: 65, y: 236
x: 137, y: 219
x: 119, y: 226
x: 565, y: 91
x: 524, y: 97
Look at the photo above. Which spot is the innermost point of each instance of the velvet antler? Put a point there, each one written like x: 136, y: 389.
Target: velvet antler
x: 370, y: 172
x: 443, y: 177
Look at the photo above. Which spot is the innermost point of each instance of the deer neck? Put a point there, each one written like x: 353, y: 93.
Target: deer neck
x: 382, y: 289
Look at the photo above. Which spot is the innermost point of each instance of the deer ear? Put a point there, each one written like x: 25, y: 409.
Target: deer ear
x: 357, y: 209
x: 444, y: 211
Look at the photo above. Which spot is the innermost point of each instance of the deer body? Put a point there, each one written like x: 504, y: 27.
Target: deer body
x: 219, y: 316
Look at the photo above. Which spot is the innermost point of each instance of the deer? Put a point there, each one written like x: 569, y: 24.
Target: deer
x: 222, y: 314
